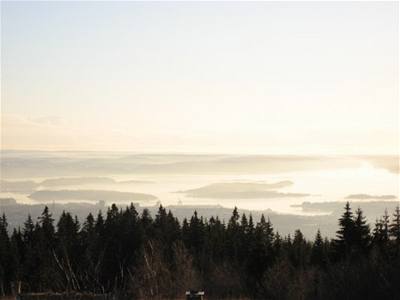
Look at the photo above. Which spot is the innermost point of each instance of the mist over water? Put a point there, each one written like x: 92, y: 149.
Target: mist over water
x: 248, y: 182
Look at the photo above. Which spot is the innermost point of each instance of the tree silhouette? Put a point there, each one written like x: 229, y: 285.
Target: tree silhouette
x: 361, y: 232
x: 133, y: 255
x: 395, y: 226
x: 345, y: 234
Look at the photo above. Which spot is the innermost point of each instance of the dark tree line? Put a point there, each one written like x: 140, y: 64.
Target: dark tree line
x: 128, y: 253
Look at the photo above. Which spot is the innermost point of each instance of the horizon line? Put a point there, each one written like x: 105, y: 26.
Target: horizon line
x: 200, y: 153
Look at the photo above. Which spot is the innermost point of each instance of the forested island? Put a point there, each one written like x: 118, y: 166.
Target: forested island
x: 134, y: 255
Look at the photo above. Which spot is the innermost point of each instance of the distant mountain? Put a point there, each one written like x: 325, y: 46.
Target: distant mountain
x: 242, y: 190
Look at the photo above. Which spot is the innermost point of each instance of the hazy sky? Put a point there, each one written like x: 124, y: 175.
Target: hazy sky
x: 278, y: 77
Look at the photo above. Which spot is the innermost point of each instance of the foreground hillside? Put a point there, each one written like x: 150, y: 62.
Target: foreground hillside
x: 127, y: 253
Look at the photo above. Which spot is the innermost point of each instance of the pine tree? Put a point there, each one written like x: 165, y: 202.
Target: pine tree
x: 381, y: 232
x: 68, y: 249
x: 112, y: 215
x: 88, y: 242
x: 262, y: 252
x: 99, y: 226
x: 385, y: 226
x: 377, y: 231
x: 240, y: 259
x: 317, y: 250
x: 17, y: 254
x: 186, y: 233
x: 395, y: 226
x: 28, y: 230
x: 345, y: 235
x: 47, y: 228
x: 31, y: 257
x: 88, y: 228
x: 361, y: 232
x: 161, y: 217
x: 267, y: 230
x: 299, y: 250
x: 277, y: 244
x: 45, y: 245
x: 233, y: 235
x: 146, y: 222
x: 244, y: 240
x: 244, y: 223
x: 173, y: 228
x: 251, y: 225
x: 6, y: 267
x: 233, y: 221
x: 67, y: 232
x: 196, y: 233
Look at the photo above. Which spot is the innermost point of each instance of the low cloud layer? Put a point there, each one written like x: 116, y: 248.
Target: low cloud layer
x: 29, y: 186
x: 23, y: 187
x: 91, y: 195
x: 370, y: 197
x: 388, y: 162
x: 24, y: 164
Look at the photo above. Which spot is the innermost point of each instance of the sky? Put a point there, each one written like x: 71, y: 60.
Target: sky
x: 227, y: 77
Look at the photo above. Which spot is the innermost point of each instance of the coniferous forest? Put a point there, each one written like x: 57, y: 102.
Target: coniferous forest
x: 158, y: 257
